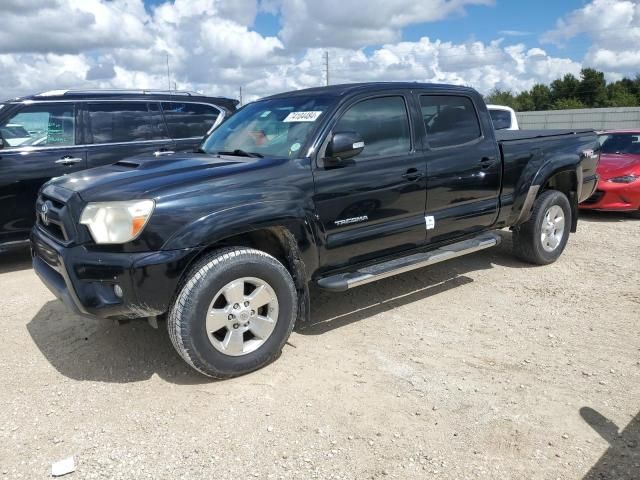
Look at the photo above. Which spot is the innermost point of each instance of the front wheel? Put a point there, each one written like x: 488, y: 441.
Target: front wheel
x: 542, y: 239
x: 234, y: 312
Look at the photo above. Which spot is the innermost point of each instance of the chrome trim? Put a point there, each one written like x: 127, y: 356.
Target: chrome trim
x: 221, y: 116
x: 69, y: 160
x: 391, y: 268
x: 29, y: 149
x: 133, y: 91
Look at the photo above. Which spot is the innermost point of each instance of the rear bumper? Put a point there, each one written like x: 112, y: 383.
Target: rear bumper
x: 614, y: 196
x: 85, y: 280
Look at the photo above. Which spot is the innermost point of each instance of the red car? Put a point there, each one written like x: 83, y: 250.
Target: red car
x: 619, y: 171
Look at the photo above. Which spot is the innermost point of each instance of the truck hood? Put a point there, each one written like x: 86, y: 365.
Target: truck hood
x: 150, y: 176
x: 617, y: 165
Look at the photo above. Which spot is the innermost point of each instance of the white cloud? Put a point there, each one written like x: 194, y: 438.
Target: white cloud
x: 358, y: 23
x: 213, y: 47
x: 614, y: 29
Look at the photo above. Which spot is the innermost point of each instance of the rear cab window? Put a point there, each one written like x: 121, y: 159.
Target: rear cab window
x: 40, y: 124
x: 189, y: 120
x: 121, y: 122
x: 449, y: 120
x: 501, y: 119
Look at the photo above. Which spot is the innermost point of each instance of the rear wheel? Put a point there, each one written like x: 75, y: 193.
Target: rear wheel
x: 234, y: 313
x: 542, y: 239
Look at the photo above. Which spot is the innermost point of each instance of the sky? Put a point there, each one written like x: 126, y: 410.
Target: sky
x: 270, y: 46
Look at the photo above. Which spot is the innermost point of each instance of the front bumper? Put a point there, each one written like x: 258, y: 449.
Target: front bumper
x: 84, y: 280
x: 614, y: 196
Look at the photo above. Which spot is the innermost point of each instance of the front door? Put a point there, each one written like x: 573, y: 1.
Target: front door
x: 373, y: 204
x: 115, y: 130
x: 40, y: 145
x: 464, y: 169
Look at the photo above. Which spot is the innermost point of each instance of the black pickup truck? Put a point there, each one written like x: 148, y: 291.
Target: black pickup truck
x: 335, y: 186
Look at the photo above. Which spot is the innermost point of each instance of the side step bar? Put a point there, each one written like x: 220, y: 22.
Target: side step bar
x: 345, y: 281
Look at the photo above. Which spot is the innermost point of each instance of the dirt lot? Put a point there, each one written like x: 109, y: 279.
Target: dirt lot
x: 482, y: 367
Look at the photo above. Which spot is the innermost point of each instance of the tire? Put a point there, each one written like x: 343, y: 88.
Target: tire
x: 533, y: 241
x: 202, y: 305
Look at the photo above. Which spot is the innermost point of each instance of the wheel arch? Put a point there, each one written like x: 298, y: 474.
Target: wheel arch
x: 565, y: 178
x: 288, y: 240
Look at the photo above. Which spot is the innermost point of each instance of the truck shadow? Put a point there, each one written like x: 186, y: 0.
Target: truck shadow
x: 93, y: 350
x: 15, y: 260
x: 334, y: 310
x: 621, y: 461
x: 102, y: 351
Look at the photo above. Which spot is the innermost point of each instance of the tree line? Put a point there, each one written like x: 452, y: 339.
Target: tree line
x: 591, y: 90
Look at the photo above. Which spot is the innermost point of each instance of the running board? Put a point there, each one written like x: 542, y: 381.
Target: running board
x: 345, y: 281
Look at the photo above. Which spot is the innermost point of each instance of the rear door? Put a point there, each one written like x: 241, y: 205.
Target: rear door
x: 189, y: 122
x: 42, y: 145
x: 114, y: 130
x: 373, y: 205
x: 463, y: 165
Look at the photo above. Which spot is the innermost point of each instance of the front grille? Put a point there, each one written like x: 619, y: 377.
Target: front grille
x: 595, y: 198
x: 56, y: 214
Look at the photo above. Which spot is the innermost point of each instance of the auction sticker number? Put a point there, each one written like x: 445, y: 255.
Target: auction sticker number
x: 302, y: 117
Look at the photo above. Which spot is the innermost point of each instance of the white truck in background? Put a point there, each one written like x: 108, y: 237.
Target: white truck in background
x: 503, y: 117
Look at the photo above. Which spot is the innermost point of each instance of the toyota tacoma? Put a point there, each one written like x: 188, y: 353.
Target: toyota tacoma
x: 336, y: 186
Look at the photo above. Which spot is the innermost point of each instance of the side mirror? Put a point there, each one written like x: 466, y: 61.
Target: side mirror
x: 344, y: 145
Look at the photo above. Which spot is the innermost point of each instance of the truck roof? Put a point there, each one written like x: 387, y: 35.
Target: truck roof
x: 351, y: 88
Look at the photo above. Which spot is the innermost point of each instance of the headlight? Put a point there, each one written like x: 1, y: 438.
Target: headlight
x: 624, y: 179
x: 116, y: 222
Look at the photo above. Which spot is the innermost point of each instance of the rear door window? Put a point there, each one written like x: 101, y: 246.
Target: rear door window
x: 41, y: 125
x: 118, y: 122
x: 449, y: 120
x: 189, y: 120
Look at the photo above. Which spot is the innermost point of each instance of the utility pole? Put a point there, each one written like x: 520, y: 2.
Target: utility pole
x: 240, y: 95
x: 326, y: 65
x: 168, y: 74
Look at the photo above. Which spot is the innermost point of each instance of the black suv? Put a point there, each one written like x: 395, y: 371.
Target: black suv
x: 58, y: 132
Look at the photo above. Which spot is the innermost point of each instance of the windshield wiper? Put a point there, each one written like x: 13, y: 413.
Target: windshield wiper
x: 199, y: 150
x: 242, y: 153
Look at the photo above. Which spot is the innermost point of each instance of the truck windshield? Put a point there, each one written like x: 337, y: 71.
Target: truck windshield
x: 277, y: 127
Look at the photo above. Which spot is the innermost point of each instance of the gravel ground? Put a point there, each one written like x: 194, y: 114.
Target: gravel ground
x: 482, y: 367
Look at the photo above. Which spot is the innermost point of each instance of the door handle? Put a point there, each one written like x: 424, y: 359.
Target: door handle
x: 487, y: 162
x: 68, y: 160
x: 412, y: 175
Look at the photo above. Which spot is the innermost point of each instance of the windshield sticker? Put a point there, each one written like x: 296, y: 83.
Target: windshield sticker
x: 295, y: 147
x: 265, y: 114
x: 302, y: 117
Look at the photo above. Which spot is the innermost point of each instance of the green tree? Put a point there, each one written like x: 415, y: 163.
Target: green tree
x: 592, y: 90
x: 501, y: 97
x: 567, y: 104
x: 524, y: 102
x: 541, y: 96
x: 618, y: 95
x: 564, y: 88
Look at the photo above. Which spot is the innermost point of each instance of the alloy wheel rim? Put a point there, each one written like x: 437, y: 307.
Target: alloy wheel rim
x: 242, y: 316
x: 552, y: 230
